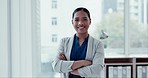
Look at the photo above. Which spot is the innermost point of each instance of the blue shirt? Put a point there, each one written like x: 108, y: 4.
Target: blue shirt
x: 78, y: 52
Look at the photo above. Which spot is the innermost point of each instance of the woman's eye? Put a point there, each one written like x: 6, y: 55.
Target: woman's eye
x: 85, y: 19
x: 76, y: 20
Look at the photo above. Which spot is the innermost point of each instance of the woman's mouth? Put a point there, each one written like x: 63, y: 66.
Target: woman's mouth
x: 81, y: 27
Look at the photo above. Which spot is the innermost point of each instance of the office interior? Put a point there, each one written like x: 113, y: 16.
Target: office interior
x: 30, y: 31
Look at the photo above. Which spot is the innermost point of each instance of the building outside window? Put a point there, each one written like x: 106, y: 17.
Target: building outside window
x: 54, y: 21
x: 126, y: 38
x: 27, y: 53
x: 54, y: 37
x: 54, y: 4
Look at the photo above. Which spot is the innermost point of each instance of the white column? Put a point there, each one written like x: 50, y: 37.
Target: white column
x: 25, y: 51
x: 4, y: 43
x: 15, y: 38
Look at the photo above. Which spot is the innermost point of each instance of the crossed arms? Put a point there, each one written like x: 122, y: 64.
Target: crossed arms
x: 84, y: 68
x: 76, y: 64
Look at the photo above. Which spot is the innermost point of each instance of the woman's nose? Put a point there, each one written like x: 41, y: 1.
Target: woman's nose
x: 80, y: 23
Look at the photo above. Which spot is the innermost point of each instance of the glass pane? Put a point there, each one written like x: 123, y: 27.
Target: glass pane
x: 112, y: 22
x: 138, y: 27
x: 104, y: 16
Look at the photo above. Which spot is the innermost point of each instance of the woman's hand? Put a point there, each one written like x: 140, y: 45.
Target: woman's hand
x: 62, y: 56
x: 76, y: 64
x: 75, y: 72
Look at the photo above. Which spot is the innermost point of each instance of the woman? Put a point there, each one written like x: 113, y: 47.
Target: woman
x: 81, y: 55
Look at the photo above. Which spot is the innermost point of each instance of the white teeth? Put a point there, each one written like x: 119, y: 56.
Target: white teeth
x: 81, y: 27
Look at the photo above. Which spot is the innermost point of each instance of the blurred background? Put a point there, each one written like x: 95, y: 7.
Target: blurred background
x: 30, y: 32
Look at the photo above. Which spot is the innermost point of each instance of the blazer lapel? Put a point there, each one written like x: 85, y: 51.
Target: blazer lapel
x: 89, y: 48
x: 70, y: 47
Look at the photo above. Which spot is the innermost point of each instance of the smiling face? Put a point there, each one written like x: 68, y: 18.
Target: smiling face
x: 81, y: 22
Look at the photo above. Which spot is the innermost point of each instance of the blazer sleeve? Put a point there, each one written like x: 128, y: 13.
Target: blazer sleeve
x: 97, y: 64
x: 61, y: 66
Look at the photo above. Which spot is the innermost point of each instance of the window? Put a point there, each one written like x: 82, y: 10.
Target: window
x: 54, y: 21
x: 128, y: 31
x: 54, y: 4
x: 54, y: 37
x: 138, y: 30
x: 20, y: 33
x: 115, y: 43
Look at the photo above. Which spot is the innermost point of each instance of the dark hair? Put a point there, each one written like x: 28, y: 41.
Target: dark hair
x: 81, y: 9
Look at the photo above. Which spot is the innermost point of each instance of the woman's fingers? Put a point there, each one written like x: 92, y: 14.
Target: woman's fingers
x: 88, y: 62
x: 62, y: 56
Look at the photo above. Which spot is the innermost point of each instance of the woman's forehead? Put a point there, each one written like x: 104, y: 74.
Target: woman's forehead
x: 81, y: 14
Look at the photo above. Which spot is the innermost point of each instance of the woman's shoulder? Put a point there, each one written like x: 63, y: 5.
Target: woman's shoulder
x: 95, y: 39
x: 67, y: 39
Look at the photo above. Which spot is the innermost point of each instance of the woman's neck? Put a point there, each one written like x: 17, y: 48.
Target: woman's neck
x: 82, y: 36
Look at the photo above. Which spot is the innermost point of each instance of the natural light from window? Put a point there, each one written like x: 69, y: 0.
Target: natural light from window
x: 107, y: 15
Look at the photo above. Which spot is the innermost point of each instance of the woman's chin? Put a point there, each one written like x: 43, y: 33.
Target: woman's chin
x: 81, y: 32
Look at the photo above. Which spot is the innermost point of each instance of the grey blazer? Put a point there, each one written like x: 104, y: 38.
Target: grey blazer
x: 95, y: 53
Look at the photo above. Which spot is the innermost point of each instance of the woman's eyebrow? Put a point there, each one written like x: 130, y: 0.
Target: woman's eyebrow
x: 84, y: 17
x: 78, y: 17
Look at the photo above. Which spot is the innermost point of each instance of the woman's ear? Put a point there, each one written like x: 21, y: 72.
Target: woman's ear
x: 90, y: 21
x: 72, y: 21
